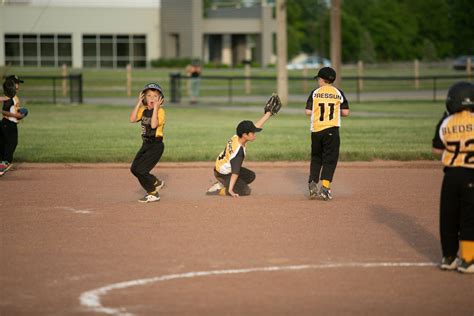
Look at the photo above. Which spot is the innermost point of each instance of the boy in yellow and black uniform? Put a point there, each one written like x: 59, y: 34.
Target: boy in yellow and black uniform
x: 233, y: 179
x: 150, y: 113
x: 454, y: 139
x: 325, y: 105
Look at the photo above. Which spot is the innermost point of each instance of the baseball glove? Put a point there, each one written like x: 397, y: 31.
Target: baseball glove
x: 23, y: 111
x: 273, y: 104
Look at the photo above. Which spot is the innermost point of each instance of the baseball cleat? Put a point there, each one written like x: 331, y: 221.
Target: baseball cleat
x: 449, y: 263
x: 215, y: 188
x: 313, y: 190
x: 325, y: 194
x: 4, y: 167
x: 159, y: 184
x: 155, y: 197
x: 465, y: 267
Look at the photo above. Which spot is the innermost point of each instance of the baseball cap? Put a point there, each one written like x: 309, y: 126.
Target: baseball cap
x: 14, y: 78
x: 153, y: 86
x: 246, y: 127
x: 326, y: 73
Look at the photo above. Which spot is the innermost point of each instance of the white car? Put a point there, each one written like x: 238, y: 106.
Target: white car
x: 311, y: 62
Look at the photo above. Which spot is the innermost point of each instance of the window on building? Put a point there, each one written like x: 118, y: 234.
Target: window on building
x: 112, y: 51
x: 30, y: 50
x: 89, y: 50
x: 64, y: 50
x: 12, y: 49
x: 38, y: 49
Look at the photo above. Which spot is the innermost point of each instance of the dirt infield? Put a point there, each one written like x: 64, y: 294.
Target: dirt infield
x: 74, y: 241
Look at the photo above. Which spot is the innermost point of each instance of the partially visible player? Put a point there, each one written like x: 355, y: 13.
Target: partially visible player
x: 150, y: 113
x: 325, y: 105
x: 11, y: 115
x: 454, y: 140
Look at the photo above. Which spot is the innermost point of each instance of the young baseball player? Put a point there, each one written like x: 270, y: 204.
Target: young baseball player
x: 233, y: 179
x: 149, y: 111
x: 12, y: 114
x: 454, y: 140
x: 325, y: 105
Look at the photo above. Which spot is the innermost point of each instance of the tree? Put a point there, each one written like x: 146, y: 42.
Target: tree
x: 461, y: 14
x: 367, y: 50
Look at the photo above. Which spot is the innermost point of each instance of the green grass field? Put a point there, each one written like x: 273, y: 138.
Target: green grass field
x: 92, y: 133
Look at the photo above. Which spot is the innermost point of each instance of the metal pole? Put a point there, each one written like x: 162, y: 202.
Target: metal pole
x: 230, y: 90
x: 79, y: 77
x: 71, y: 86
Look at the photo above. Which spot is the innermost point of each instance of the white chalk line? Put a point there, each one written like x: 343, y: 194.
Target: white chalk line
x: 91, y: 299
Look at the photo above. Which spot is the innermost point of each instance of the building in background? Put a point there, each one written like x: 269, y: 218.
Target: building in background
x: 49, y: 34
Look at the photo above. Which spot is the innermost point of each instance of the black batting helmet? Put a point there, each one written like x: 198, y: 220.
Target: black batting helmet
x: 460, y: 97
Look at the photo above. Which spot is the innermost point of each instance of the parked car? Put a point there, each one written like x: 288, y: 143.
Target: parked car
x: 311, y: 62
x: 461, y: 62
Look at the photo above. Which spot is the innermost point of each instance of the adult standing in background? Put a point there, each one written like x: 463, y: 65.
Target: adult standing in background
x: 194, y: 73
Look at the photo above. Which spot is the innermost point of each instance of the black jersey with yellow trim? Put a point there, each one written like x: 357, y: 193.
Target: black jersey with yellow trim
x: 455, y: 135
x: 144, y: 115
x: 326, y: 103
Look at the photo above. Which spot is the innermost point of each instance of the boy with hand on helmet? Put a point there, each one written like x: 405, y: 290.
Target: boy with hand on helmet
x: 454, y: 139
x: 150, y: 113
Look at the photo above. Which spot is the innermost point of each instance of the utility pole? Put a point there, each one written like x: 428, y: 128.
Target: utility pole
x: 336, y: 39
x: 282, y: 58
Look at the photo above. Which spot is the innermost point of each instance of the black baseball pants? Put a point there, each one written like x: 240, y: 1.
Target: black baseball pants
x: 324, y: 154
x: 145, y: 160
x: 241, y: 187
x: 456, y: 220
x: 8, y: 140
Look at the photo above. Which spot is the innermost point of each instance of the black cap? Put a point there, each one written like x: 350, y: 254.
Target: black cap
x: 153, y: 86
x: 246, y: 127
x: 326, y: 73
x: 14, y: 78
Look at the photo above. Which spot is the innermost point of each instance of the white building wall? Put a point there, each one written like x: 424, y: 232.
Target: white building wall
x: 79, y: 20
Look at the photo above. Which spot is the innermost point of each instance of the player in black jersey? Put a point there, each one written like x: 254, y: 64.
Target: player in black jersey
x: 150, y: 113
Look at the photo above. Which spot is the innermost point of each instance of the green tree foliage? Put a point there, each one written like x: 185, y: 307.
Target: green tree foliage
x: 462, y: 16
x: 384, y: 30
x: 305, y: 20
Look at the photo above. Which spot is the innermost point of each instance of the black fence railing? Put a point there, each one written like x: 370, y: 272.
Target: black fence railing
x: 226, y: 88
x: 53, y: 89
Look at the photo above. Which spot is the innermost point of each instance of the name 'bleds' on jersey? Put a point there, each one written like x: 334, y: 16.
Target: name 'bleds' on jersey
x: 326, y: 103
x: 457, y: 135
x: 223, y: 165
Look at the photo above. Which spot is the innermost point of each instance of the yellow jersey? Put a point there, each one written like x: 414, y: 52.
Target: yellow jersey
x: 326, y: 103
x: 456, y: 133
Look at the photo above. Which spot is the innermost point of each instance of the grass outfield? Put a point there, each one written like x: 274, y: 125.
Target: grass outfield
x: 91, y: 133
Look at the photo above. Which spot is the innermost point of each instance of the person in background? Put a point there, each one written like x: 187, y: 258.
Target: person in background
x: 194, y: 73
